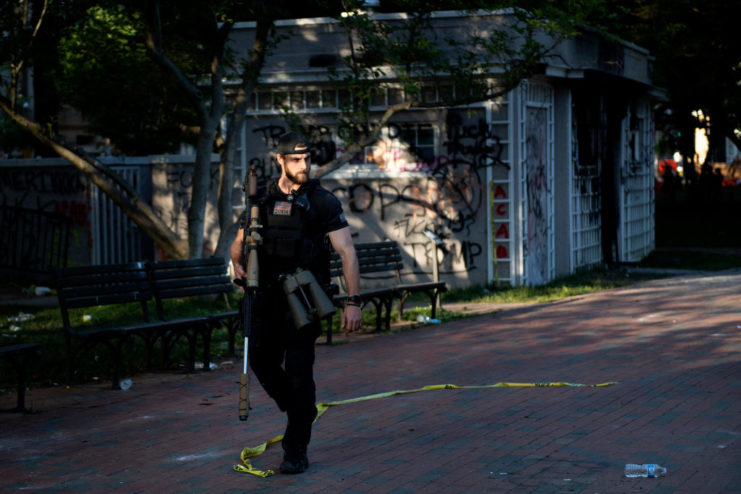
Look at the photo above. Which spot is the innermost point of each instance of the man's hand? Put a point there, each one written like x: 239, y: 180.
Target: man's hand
x: 342, y: 242
x: 351, y: 319
x: 239, y: 274
x: 238, y: 271
x: 235, y: 252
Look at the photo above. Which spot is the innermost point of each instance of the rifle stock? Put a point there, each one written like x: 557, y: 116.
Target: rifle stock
x: 244, y: 396
x: 244, y: 379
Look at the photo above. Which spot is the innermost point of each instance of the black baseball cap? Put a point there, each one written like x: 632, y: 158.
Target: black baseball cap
x: 293, y: 143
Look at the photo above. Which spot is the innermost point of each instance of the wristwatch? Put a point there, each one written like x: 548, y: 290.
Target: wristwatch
x: 354, y: 300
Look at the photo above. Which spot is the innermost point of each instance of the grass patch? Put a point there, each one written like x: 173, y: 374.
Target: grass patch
x: 582, y: 282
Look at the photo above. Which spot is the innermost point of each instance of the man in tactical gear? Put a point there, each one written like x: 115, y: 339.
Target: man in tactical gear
x: 299, y: 219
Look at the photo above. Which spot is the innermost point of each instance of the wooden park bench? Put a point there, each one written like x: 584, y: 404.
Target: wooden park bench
x: 136, y: 285
x: 87, y: 287
x: 382, y: 262
x: 189, y: 279
x: 19, y: 356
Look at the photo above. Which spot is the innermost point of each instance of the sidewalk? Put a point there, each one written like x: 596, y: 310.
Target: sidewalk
x: 673, y: 346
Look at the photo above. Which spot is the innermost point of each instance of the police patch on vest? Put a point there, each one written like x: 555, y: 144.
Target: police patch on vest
x: 282, y: 208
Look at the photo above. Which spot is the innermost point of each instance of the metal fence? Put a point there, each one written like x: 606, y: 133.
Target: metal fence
x: 33, y: 241
x: 115, y: 238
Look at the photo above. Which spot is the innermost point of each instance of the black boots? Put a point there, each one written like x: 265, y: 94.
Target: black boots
x: 296, y: 439
x: 294, y: 461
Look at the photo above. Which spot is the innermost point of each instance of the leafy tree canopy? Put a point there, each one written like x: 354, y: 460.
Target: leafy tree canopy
x: 104, y: 72
x: 698, y: 61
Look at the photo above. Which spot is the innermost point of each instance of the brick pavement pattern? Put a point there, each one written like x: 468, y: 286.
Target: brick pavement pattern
x: 673, y: 346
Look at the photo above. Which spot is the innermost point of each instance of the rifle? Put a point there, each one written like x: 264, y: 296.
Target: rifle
x: 250, y: 240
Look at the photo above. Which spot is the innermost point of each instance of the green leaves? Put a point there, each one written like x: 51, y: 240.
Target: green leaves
x: 104, y: 72
x: 697, y: 57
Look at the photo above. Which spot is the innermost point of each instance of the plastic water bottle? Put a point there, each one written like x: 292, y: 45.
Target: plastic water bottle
x: 427, y: 319
x: 649, y: 470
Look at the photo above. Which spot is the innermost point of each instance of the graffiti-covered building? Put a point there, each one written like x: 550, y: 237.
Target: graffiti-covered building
x: 545, y: 179
x: 551, y: 177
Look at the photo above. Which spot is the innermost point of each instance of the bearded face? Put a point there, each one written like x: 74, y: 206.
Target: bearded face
x: 296, y: 167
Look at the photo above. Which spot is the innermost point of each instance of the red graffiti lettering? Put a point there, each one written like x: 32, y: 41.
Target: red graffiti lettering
x: 500, y: 192
x: 502, y: 231
x: 77, y: 211
x: 502, y: 252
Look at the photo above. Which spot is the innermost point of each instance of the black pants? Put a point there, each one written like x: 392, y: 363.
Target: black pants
x: 283, y: 361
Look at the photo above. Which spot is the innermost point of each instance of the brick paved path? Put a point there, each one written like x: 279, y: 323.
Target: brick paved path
x: 673, y: 345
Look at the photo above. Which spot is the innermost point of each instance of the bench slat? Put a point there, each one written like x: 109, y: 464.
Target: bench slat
x: 20, y: 349
x: 194, y: 291
x: 102, y: 270
x: 213, y: 282
x: 80, y: 302
x: 160, y: 272
x: 178, y: 264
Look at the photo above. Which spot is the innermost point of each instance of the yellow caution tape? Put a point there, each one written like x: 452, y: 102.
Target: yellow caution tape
x: 246, y: 465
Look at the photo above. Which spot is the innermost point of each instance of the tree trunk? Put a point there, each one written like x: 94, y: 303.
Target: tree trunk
x: 200, y: 188
x: 250, y: 73
x: 225, y: 194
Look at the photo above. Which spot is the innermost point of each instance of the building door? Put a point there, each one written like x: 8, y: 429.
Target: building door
x: 536, y: 183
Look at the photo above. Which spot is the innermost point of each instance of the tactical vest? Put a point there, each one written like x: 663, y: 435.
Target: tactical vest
x: 291, y: 238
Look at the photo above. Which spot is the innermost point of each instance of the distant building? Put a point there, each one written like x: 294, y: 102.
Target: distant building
x: 555, y: 176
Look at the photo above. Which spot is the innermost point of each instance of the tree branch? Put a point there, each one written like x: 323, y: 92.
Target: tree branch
x: 357, y: 146
x: 153, y: 42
